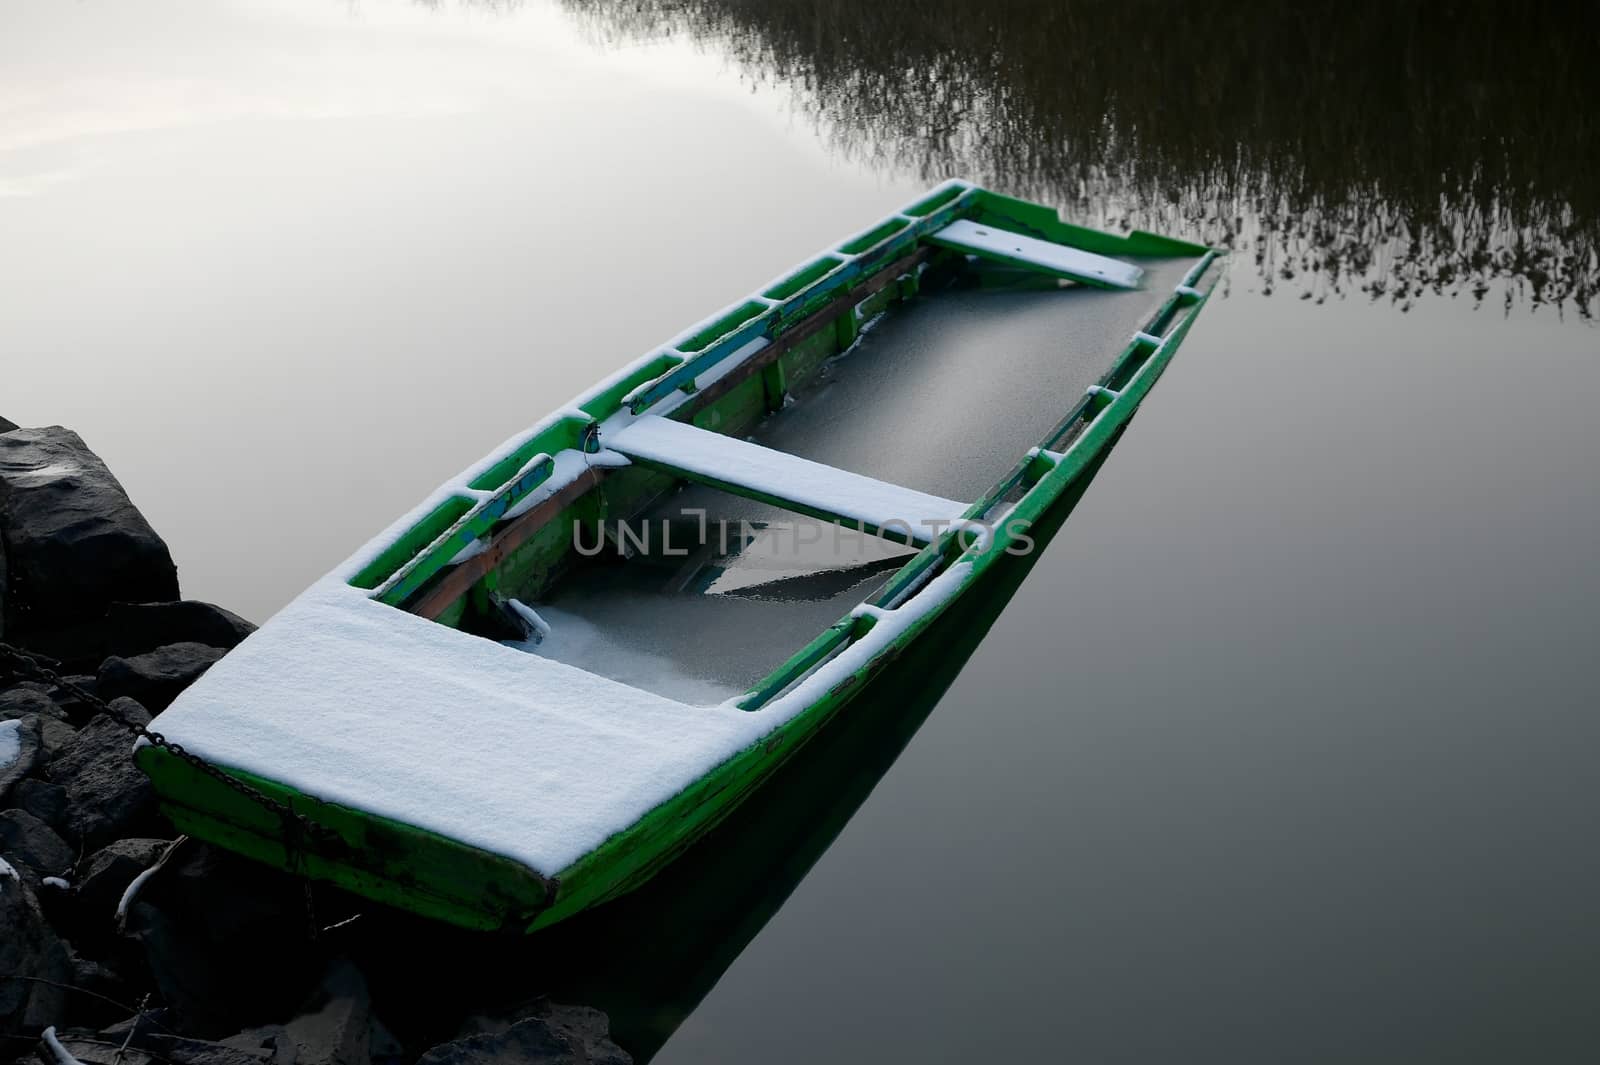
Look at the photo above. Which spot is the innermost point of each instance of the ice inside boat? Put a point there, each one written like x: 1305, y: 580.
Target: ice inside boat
x: 941, y: 396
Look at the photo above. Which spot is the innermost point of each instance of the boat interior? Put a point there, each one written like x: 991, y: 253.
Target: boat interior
x: 693, y: 522
x: 942, y: 394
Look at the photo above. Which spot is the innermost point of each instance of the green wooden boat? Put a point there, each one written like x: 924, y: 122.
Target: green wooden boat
x: 517, y: 702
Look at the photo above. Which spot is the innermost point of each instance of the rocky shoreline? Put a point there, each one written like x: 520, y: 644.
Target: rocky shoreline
x: 122, y: 943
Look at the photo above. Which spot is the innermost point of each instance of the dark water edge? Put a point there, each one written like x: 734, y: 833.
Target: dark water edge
x: 1399, y: 151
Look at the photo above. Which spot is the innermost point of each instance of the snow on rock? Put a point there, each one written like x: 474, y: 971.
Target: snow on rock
x: 20, y: 747
x: 28, y: 742
x: 131, y: 892
x: 58, y: 1053
x: 10, y: 743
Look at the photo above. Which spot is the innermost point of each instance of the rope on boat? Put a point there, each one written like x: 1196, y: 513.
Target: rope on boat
x: 295, y: 824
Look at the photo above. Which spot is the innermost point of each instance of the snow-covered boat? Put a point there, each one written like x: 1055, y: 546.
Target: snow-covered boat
x: 571, y: 660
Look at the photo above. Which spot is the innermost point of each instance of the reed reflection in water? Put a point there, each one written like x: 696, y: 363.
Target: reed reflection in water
x: 1398, y: 150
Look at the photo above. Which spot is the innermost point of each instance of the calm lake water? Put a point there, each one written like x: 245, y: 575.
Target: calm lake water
x: 1284, y: 750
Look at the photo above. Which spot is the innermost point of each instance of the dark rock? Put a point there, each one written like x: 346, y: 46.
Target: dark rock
x: 337, y: 1030
x: 107, y: 873
x: 225, y: 940
x: 156, y: 677
x: 28, y: 947
x: 181, y: 1051
x: 141, y: 627
x: 158, y: 1019
x: 55, y: 736
x: 98, y: 982
x: 78, y: 710
x: 21, y: 749
x: 525, y: 1043
x: 6, y: 425
x: 589, y: 1029
x: 27, y: 842
x: 20, y: 702
x: 158, y: 1034
x: 44, y: 800
x: 107, y: 796
x: 128, y: 629
x: 386, y: 1048
x: 547, y: 1034
x: 74, y: 542
x: 148, y: 1036
x: 274, y: 1041
x: 88, y: 1048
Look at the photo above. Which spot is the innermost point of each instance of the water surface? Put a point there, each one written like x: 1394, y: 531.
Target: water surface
x: 1283, y: 750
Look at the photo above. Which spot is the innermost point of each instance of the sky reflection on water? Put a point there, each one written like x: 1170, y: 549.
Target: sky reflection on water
x: 1282, y: 750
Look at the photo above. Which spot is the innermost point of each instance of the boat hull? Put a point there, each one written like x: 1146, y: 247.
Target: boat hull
x: 770, y: 341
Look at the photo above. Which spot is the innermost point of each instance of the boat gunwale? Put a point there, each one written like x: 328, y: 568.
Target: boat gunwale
x: 582, y: 883
x: 939, y: 553
x: 665, y: 371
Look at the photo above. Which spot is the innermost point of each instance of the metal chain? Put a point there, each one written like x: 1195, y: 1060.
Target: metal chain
x: 23, y: 664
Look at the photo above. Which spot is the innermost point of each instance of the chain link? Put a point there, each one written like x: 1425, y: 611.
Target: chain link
x: 23, y: 664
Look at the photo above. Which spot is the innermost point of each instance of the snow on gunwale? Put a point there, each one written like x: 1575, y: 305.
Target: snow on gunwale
x: 457, y: 485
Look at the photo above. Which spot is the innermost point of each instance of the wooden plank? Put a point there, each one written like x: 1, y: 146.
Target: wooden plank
x: 464, y: 575
x: 1017, y: 249
x: 784, y: 480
